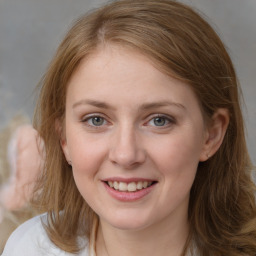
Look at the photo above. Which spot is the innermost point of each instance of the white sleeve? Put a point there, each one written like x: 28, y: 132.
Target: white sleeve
x: 30, y: 239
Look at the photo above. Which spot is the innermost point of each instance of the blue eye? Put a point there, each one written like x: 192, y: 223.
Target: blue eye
x: 95, y: 121
x: 160, y: 121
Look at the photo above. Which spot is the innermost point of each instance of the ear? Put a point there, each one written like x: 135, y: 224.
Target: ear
x: 215, y: 133
x: 59, y: 127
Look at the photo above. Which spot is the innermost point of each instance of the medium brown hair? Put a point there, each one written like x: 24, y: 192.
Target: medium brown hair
x: 183, y: 45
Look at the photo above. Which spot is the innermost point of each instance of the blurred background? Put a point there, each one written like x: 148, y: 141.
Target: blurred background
x: 31, y: 30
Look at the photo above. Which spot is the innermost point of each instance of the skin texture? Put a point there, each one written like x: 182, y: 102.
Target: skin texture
x: 148, y: 126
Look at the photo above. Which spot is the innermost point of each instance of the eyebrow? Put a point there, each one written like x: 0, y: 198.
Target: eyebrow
x: 95, y: 103
x: 144, y: 106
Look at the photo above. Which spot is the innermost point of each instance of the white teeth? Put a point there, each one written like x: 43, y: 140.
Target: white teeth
x: 116, y: 185
x: 139, y: 185
x: 123, y: 186
x: 132, y: 187
x: 129, y: 187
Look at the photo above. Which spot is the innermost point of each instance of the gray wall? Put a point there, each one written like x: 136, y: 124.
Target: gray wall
x: 30, y: 31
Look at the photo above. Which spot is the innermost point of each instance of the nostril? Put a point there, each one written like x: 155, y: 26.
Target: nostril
x: 127, y: 161
x: 126, y: 152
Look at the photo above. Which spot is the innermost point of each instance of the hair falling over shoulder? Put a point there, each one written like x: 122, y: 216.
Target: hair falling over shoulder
x: 222, y: 210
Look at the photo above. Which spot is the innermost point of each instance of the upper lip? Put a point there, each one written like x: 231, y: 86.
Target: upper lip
x: 127, y: 180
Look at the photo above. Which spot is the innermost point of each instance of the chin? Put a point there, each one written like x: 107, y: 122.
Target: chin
x: 128, y: 222
x: 129, y: 226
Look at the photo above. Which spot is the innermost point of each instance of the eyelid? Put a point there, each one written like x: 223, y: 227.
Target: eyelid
x: 94, y: 114
x: 170, y: 119
x: 87, y: 117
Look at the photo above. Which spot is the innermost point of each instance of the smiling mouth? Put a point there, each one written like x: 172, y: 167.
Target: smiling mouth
x: 129, y: 187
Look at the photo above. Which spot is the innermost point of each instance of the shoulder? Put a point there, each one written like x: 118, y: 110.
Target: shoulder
x: 30, y: 239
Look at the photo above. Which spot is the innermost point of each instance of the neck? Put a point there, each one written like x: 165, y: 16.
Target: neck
x: 165, y: 238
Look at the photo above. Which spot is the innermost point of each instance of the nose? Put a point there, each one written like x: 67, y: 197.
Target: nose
x: 126, y: 149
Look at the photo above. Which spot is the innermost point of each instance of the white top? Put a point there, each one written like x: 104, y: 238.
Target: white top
x: 30, y: 239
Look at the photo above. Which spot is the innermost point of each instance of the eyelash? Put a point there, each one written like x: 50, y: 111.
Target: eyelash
x: 87, y: 119
x: 168, y: 121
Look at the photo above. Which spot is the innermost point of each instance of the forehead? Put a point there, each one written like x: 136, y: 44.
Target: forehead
x: 121, y: 75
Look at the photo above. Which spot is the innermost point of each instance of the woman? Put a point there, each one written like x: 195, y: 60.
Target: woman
x: 144, y: 137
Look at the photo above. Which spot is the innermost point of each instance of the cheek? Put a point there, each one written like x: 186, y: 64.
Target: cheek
x: 177, y: 153
x: 177, y: 163
x: 86, y: 163
x: 177, y: 160
x: 86, y: 154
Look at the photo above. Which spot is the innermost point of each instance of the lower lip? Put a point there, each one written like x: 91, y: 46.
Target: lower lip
x: 128, y: 196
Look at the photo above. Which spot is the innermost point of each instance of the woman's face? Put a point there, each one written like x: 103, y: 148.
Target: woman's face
x: 135, y: 137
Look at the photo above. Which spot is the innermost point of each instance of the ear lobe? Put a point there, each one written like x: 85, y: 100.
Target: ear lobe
x: 215, y: 133
x: 63, y: 142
